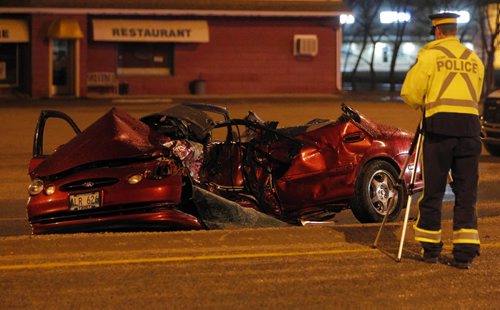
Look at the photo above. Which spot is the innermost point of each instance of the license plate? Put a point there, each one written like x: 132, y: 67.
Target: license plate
x: 84, y: 201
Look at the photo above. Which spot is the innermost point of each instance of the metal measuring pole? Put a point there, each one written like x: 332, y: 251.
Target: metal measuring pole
x: 416, y: 145
x: 410, y: 191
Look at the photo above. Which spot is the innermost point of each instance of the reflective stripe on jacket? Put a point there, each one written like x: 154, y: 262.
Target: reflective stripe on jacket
x: 447, y: 77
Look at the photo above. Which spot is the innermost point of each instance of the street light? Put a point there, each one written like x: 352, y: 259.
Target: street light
x: 464, y: 17
x: 347, y: 19
x: 389, y: 17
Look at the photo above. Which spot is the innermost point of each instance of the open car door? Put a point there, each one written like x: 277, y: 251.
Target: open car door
x: 64, y: 126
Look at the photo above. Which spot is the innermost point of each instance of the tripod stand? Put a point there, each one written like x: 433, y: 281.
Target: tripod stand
x: 416, y: 146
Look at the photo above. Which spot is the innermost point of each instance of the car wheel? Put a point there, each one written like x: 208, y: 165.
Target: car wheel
x: 376, y: 192
x: 493, y: 149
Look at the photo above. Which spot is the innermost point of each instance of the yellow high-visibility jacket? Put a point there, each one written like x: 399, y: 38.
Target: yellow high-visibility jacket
x: 447, y: 78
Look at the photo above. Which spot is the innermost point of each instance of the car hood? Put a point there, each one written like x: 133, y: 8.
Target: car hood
x: 116, y: 135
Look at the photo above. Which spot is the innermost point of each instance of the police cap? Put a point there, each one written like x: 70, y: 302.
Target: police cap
x: 443, y: 18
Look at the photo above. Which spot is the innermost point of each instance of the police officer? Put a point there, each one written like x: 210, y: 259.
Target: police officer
x: 446, y: 82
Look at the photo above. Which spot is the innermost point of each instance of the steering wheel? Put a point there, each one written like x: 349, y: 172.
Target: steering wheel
x: 350, y: 113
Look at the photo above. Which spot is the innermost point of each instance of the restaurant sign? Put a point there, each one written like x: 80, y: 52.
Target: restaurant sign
x: 121, y: 30
x: 13, y: 30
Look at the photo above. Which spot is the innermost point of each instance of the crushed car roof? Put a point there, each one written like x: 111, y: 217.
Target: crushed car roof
x: 116, y: 135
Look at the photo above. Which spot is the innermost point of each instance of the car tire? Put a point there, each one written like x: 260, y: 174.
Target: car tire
x: 375, y: 190
x: 493, y: 149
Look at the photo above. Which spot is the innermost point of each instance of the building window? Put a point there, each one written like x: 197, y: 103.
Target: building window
x: 145, y: 59
x: 8, y: 64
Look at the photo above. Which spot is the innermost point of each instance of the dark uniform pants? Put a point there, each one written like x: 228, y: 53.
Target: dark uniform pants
x: 461, y: 155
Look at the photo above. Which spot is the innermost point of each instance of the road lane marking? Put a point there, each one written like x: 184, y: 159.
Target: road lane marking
x: 178, y: 259
x: 193, y: 258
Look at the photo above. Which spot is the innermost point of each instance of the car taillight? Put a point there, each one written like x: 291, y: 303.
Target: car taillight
x: 35, y: 187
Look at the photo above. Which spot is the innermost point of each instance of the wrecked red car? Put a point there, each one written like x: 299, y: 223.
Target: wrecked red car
x: 193, y: 167
x: 303, y: 173
x: 114, y: 175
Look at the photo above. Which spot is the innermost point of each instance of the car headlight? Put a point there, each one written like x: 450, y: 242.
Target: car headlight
x: 49, y: 190
x: 35, y: 187
x: 134, y: 179
x: 162, y: 169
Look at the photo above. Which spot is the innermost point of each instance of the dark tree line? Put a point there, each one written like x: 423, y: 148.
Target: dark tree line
x: 483, y: 30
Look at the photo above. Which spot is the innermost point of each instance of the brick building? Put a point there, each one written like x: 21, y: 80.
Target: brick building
x: 53, y: 48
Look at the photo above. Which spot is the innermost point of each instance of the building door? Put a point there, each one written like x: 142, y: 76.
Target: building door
x: 63, y: 67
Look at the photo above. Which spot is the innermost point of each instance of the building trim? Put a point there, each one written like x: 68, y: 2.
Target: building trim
x: 168, y: 12
x: 338, y: 65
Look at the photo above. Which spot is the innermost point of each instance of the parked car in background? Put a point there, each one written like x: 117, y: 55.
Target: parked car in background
x: 124, y: 173
x: 490, y: 123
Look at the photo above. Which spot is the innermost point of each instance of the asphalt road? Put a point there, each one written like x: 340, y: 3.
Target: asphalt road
x: 298, y: 267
